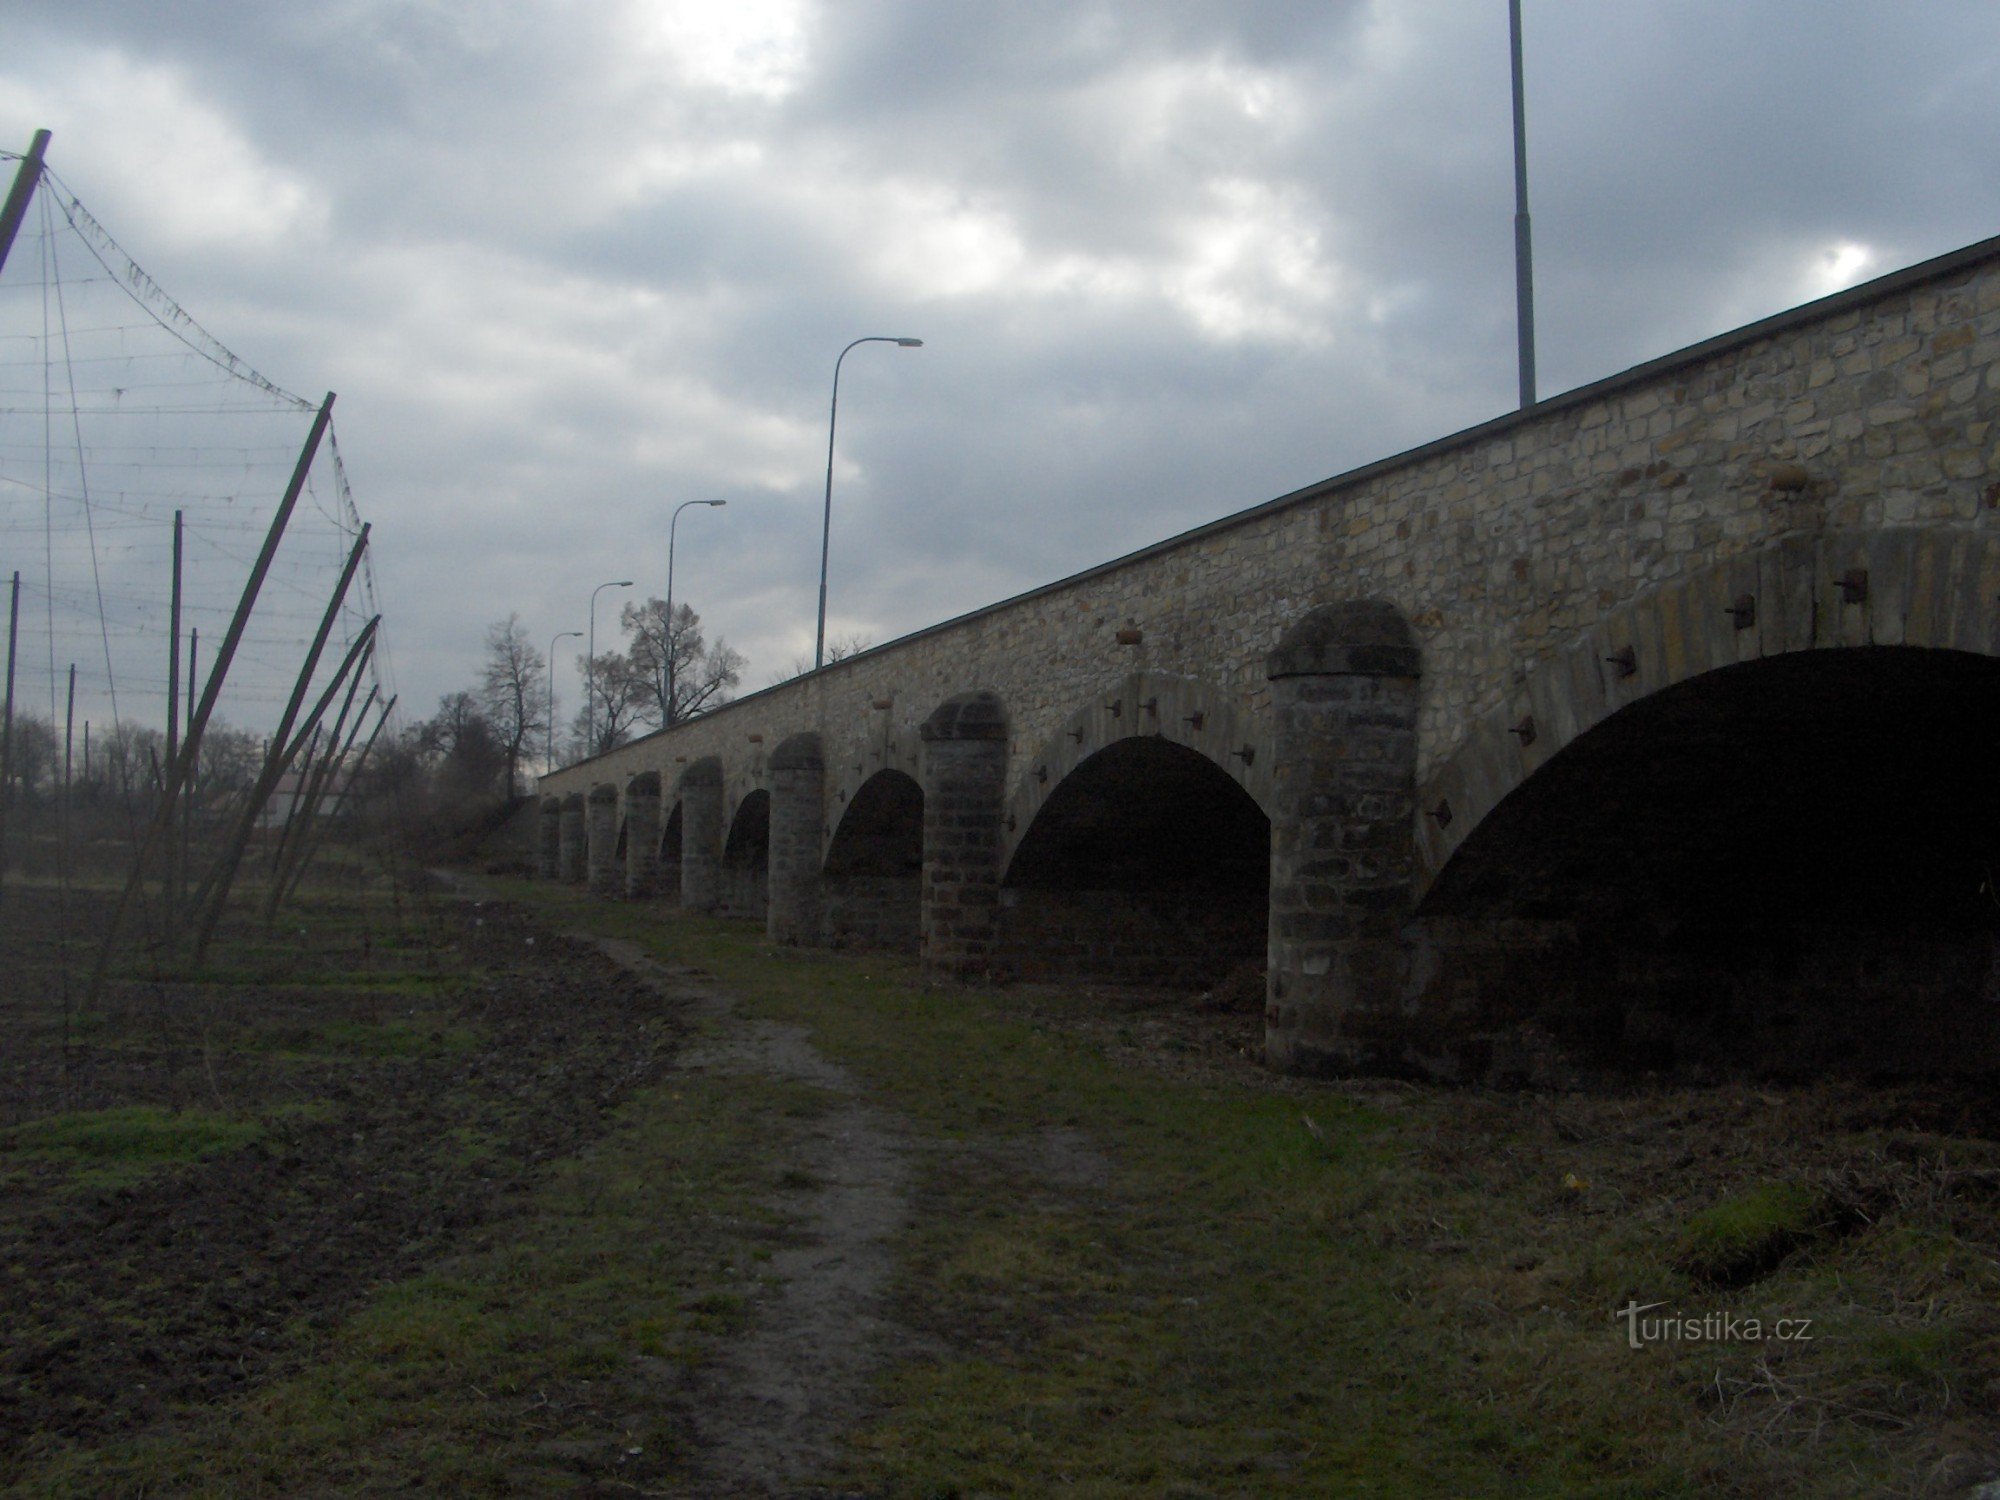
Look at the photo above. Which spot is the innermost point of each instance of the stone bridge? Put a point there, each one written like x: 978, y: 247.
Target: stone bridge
x: 1652, y: 727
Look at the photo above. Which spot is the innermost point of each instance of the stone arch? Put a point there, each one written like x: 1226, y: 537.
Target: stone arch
x: 746, y: 858
x: 1147, y: 864
x: 1758, y: 848
x: 1909, y: 586
x: 874, y: 864
x: 1186, y: 711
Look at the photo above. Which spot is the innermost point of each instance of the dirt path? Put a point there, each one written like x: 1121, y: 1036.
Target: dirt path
x: 767, y: 1414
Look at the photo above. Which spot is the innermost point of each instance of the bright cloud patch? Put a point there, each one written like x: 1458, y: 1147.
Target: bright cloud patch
x: 145, y: 150
x: 754, y: 47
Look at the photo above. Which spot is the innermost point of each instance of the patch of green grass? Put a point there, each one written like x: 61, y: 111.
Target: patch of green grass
x: 1413, y: 1295
x: 1127, y: 1284
x: 1743, y: 1237
x: 413, y: 1036
x: 110, y: 1147
x: 532, y: 1363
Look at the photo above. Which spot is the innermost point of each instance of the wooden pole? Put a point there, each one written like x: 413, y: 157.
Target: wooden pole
x: 198, y: 720
x: 26, y: 178
x: 7, y: 724
x: 340, y: 796
x: 312, y: 777
x: 170, y: 885
x: 281, y: 754
x: 62, y: 808
x: 328, y: 771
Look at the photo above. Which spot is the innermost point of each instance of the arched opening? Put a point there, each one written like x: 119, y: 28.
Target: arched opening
x: 670, y: 856
x: 1147, y: 865
x: 1779, y: 868
x: 746, y: 859
x: 874, y: 867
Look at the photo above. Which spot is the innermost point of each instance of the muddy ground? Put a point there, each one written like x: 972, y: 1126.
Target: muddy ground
x: 394, y: 1127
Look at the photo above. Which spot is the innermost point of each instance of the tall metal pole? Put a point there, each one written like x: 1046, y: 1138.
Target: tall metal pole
x: 1524, y: 259
x: 826, y: 524
x: 590, y: 670
x: 667, y: 715
x: 25, y: 180
x: 549, y: 733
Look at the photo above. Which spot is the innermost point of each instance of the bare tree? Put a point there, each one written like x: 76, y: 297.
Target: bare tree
x: 623, y: 693
x: 838, y: 649
x: 513, y: 690
x: 37, y: 757
x: 683, y: 675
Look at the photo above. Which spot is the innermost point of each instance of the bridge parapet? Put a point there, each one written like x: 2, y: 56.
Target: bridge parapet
x: 1550, y: 569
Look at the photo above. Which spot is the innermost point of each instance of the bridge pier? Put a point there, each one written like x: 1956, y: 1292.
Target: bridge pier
x: 1344, y: 703
x: 965, y: 788
x: 569, y: 840
x: 548, y: 839
x: 601, y: 836
x: 798, y: 796
x: 642, y: 835
x: 701, y: 835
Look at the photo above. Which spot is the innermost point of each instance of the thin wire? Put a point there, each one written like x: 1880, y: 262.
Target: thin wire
x: 135, y: 281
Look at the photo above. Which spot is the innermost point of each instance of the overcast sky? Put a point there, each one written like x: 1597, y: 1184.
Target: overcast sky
x: 568, y: 265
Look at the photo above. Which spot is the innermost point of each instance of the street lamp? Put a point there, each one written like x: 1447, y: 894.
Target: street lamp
x: 549, y: 742
x: 590, y: 667
x: 826, y: 526
x: 667, y: 625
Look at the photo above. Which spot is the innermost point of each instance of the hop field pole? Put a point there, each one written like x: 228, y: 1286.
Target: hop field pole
x: 26, y: 178
x: 310, y: 846
x: 7, y: 724
x: 298, y: 823
x: 329, y: 768
x: 163, y: 819
x: 170, y: 883
x: 283, y: 751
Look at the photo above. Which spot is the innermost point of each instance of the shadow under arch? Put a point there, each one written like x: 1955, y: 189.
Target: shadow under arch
x: 669, y: 876
x: 874, y: 865
x: 1902, y: 586
x: 1780, y: 864
x: 746, y: 858
x: 1185, y: 711
x: 1147, y: 864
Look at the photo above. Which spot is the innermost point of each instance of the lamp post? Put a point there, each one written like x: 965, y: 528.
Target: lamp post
x: 590, y: 667
x: 826, y: 525
x: 667, y: 625
x: 549, y: 744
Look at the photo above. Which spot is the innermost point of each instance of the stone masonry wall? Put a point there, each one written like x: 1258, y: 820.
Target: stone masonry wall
x: 1499, y: 544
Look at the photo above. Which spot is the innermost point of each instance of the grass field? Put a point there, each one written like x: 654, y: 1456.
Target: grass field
x: 1130, y: 1263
